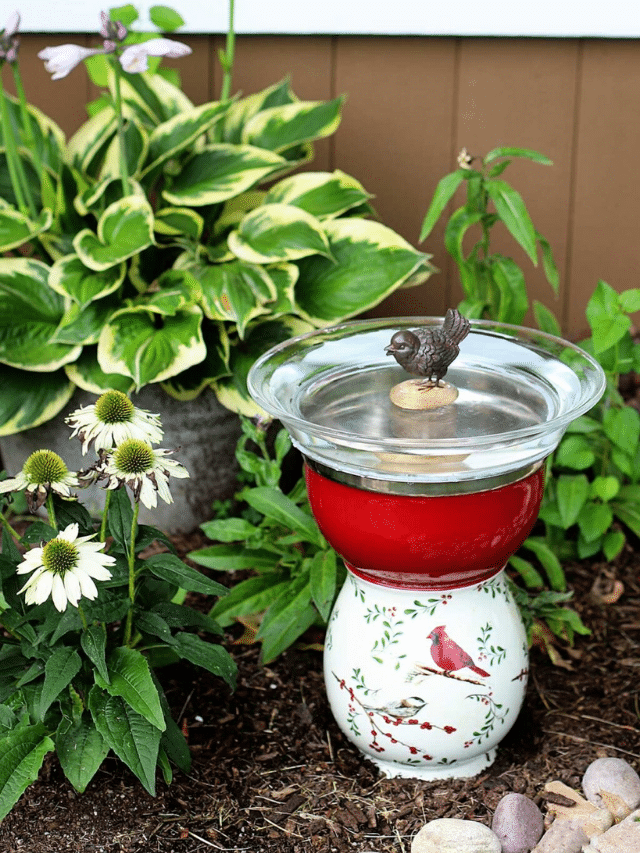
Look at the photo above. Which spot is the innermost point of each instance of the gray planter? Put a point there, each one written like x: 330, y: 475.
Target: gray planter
x: 204, y: 431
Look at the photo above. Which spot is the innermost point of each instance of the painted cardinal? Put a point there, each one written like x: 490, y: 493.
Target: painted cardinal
x: 428, y: 352
x: 448, y: 655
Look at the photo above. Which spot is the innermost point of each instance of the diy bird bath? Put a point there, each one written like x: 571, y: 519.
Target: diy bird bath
x: 426, y: 657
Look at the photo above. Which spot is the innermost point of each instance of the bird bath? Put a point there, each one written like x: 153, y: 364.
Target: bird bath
x: 426, y: 658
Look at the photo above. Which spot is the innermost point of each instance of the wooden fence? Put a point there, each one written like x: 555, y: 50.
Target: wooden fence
x: 414, y: 102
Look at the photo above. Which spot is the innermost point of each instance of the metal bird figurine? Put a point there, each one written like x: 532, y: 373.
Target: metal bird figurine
x: 428, y: 352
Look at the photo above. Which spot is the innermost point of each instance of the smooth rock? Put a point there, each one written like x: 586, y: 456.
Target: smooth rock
x: 451, y: 835
x: 562, y: 837
x: 593, y: 820
x: 614, y: 776
x: 622, y: 838
x: 518, y: 823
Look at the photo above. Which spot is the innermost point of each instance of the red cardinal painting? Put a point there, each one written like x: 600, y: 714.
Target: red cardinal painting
x: 448, y: 655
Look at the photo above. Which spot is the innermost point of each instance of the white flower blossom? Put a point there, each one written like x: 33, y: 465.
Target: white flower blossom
x: 60, y: 60
x: 111, y: 420
x: 12, y: 25
x: 144, y: 469
x: 134, y: 58
x: 64, y: 569
x: 42, y: 473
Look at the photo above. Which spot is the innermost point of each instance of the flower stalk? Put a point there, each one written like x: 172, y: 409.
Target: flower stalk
x: 131, y: 559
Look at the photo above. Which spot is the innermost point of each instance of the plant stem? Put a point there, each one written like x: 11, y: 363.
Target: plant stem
x: 227, y: 57
x: 131, y: 557
x: 26, y: 119
x: 51, y: 512
x: 10, y: 529
x: 83, y: 617
x: 124, y: 172
x: 105, y: 513
x: 16, y: 172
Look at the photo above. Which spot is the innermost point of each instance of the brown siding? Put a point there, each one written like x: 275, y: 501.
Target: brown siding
x: 412, y: 103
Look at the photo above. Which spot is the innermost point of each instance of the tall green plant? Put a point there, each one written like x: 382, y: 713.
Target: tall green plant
x: 494, y: 285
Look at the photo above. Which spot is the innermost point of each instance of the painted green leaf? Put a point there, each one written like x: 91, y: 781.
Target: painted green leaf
x: 70, y: 277
x: 181, y: 130
x: 282, y: 127
x: 130, y: 678
x: 133, y: 738
x: 81, y: 749
x: 151, y: 348
x: 324, y: 195
x: 287, y: 618
x: 25, y: 403
x: 30, y: 312
x: 371, y: 261
x: 124, y: 229
x: 445, y: 191
x: 235, y: 291
x: 59, y: 670
x: 278, y: 232
x: 22, y: 752
x: 171, y: 568
x: 16, y: 228
x: 512, y: 211
x: 209, y: 656
x: 220, y: 172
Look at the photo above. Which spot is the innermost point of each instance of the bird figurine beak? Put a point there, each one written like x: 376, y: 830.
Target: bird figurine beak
x: 389, y: 350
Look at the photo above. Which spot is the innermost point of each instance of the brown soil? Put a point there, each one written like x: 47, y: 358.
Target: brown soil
x: 272, y: 773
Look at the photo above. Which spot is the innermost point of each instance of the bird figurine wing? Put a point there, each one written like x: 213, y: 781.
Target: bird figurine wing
x: 428, y: 352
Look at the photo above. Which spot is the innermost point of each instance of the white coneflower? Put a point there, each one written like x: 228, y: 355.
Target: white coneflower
x: 64, y: 569
x: 144, y: 469
x: 42, y: 473
x: 112, y: 419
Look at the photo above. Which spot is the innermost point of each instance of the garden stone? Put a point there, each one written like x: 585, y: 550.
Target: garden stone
x: 451, y: 835
x: 615, y: 777
x: 622, y: 838
x: 562, y: 837
x: 518, y: 823
x: 593, y: 820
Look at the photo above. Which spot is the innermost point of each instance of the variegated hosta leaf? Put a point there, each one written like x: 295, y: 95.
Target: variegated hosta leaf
x: 90, y: 138
x: 83, y: 325
x: 279, y: 128
x: 150, y: 347
x: 323, y: 194
x: 231, y: 390
x: 136, y: 147
x: 278, y: 232
x: 284, y: 276
x: 191, y: 382
x: 371, y: 261
x: 180, y: 131
x: 176, y: 289
x: 235, y: 291
x: 70, y: 277
x: 178, y: 222
x: 124, y: 229
x: 25, y: 403
x: 85, y: 372
x: 30, y: 312
x: 241, y: 111
x: 220, y: 172
x: 152, y: 96
x: 16, y: 228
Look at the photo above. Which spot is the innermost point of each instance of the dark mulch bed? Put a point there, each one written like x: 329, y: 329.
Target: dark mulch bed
x: 272, y: 772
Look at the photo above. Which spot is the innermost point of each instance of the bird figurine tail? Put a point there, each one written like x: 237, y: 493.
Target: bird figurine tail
x: 455, y: 326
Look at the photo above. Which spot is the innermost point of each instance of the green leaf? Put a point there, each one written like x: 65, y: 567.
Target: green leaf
x: 228, y: 558
x: 120, y: 518
x: 86, y: 374
x: 324, y: 195
x: 287, y: 618
x: 181, y: 616
x: 550, y: 562
x: 94, y: 643
x: 130, y: 678
x: 613, y: 543
x: 527, y: 153
x: 282, y: 127
x: 322, y: 581
x: 22, y: 752
x: 278, y: 232
x: 180, y: 131
x: 371, y: 261
x: 124, y: 230
x: 575, y: 452
x: 571, y: 494
x: 605, y: 488
x: 165, y: 18
x: 253, y: 595
x: 59, y: 671
x: 70, y: 277
x: 594, y: 520
x: 608, y: 322
x: 81, y: 749
x: 546, y: 319
x: 513, y: 290
x: 527, y: 571
x: 220, y: 172
x: 209, y: 656
x: 445, y: 191
x: 171, y: 568
x: 25, y: 403
x: 622, y: 427
x: 458, y: 225
x: 17, y: 229
x: 229, y: 529
x: 276, y: 506
x: 513, y: 213
x: 548, y: 263
x: 133, y: 739
x: 630, y: 300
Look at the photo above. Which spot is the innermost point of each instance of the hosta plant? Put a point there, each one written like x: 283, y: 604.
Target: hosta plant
x: 166, y: 242
x: 87, y: 619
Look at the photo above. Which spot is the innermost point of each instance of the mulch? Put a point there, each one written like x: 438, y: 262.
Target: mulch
x: 272, y: 773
